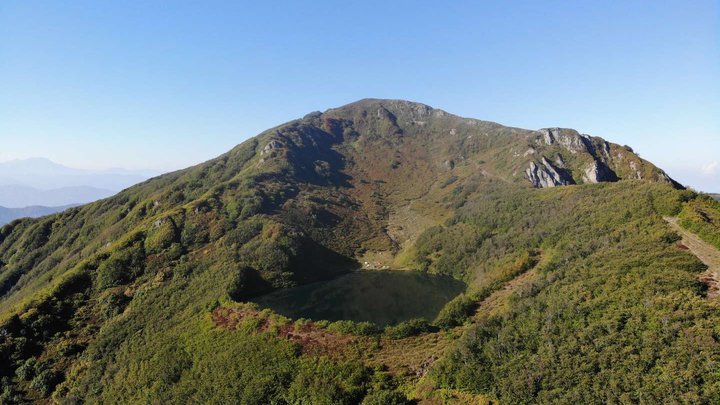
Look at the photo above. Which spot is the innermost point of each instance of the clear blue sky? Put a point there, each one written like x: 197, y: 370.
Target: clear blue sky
x: 166, y: 84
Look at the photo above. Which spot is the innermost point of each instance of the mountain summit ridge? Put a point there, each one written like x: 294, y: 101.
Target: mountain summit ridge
x: 604, y: 161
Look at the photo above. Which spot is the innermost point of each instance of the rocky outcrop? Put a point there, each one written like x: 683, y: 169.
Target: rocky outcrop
x: 274, y: 144
x: 598, y: 172
x: 549, y: 135
x: 636, y: 172
x: 591, y: 159
x: 568, y: 139
x: 546, y: 175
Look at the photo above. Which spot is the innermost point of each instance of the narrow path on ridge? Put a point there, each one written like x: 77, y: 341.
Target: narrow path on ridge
x: 704, y: 251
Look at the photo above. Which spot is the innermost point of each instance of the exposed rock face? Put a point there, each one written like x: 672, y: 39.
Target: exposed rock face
x: 274, y: 144
x: 582, y: 158
x: 638, y: 173
x: 666, y: 178
x: 598, y: 172
x: 547, y: 175
x: 568, y: 139
x: 549, y: 135
x: 606, y: 149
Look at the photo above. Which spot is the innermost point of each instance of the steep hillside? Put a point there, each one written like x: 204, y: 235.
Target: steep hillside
x: 112, y: 301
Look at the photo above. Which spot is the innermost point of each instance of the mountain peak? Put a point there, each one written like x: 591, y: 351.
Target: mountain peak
x: 31, y: 162
x: 401, y: 130
x: 397, y: 107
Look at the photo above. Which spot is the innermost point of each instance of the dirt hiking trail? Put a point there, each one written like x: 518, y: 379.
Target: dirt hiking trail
x: 704, y: 251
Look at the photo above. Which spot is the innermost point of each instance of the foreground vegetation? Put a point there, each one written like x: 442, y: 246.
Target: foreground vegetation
x: 617, y: 314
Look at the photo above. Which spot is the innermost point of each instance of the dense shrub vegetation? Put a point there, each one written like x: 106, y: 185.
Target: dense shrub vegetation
x: 702, y: 217
x: 616, y: 314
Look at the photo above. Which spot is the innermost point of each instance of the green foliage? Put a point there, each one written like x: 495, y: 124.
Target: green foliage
x: 320, y: 381
x: 123, y: 265
x: 245, y: 283
x: 46, y: 381
x: 434, y: 250
x: 409, y: 328
x: 610, y: 314
x: 112, y: 304
x: 27, y: 370
x: 702, y: 217
x: 7, y: 394
x: 162, y: 234
x: 456, y: 312
x: 354, y: 328
x: 671, y: 237
x: 176, y: 355
x: 385, y: 398
x: 243, y: 233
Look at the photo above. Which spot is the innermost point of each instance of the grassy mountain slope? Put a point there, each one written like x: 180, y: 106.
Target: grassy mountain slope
x: 112, y: 301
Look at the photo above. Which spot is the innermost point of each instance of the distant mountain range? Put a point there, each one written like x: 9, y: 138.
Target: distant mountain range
x: 15, y: 196
x: 9, y: 214
x: 42, y: 182
x: 44, y: 174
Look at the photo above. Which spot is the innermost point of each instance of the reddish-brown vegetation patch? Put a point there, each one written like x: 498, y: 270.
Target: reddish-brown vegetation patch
x: 713, y: 286
x: 311, y: 338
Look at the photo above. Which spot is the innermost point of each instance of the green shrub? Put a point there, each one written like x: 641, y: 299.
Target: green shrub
x: 161, y: 235
x: 112, y: 304
x: 322, y: 381
x: 386, y: 397
x: 46, y: 381
x: 123, y: 266
x: 408, y: 328
x: 354, y: 328
x: 671, y: 237
x: 27, y: 370
x: 456, y: 312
